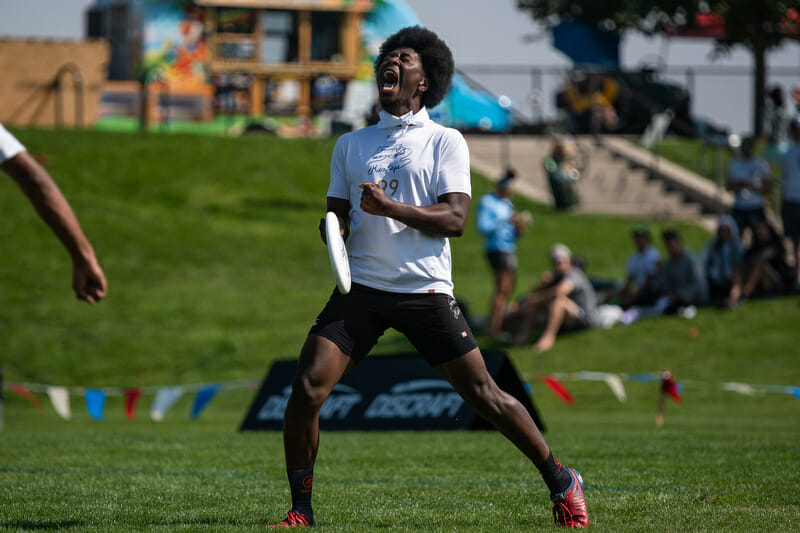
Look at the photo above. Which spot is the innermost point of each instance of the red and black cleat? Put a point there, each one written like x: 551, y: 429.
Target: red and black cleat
x: 569, y: 507
x: 295, y: 519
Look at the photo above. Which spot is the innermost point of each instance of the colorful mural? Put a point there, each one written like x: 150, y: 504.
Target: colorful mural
x: 174, y: 44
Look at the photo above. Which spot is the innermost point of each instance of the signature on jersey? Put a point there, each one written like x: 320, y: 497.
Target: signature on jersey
x: 388, y: 159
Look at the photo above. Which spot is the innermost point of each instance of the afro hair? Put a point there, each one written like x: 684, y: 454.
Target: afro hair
x: 437, y: 60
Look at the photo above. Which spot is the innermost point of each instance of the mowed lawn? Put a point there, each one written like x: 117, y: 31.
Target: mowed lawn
x: 215, y: 269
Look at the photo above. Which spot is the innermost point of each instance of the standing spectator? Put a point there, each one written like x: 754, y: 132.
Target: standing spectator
x: 563, y: 170
x: 643, y: 267
x: 750, y: 179
x: 790, y: 189
x: 722, y: 260
x: 565, y: 299
x: 501, y: 226
x: 778, y: 115
x: 765, y: 271
x: 681, y: 283
x: 88, y: 280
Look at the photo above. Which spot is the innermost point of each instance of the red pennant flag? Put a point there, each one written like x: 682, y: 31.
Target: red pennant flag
x: 131, y: 397
x: 23, y: 391
x: 670, y: 386
x: 558, y: 389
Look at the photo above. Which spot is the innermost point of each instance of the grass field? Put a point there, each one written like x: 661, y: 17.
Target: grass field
x: 215, y: 269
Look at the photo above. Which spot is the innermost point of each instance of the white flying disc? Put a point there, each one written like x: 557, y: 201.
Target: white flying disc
x: 337, y: 252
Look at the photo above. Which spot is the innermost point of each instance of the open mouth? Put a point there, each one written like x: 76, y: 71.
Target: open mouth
x: 390, y: 79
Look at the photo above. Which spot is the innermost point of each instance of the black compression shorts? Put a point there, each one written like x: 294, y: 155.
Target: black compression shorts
x: 433, y: 323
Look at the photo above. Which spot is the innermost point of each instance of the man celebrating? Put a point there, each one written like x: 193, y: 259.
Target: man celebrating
x: 403, y: 188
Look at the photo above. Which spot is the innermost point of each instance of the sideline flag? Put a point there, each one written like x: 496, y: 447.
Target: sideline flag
x: 165, y: 398
x: 95, y: 402
x: 670, y: 387
x: 131, y: 398
x: 204, y: 396
x: 23, y: 391
x: 558, y: 389
x: 59, y: 397
x: 741, y: 388
x: 615, y: 384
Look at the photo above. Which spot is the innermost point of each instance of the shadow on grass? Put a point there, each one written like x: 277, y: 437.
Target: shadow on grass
x: 43, y: 524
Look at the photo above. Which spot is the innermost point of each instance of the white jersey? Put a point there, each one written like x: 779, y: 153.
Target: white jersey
x: 9, y: 145
x: 416, y: 161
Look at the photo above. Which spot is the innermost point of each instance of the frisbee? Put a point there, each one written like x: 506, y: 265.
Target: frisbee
x: 337, y: 252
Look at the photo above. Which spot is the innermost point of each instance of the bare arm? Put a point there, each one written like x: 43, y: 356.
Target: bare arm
x: 447, y: 218
x: 342, y: 209
x: 88, y: 279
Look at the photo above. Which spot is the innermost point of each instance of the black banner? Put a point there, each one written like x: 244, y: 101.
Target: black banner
x: 398, y: 392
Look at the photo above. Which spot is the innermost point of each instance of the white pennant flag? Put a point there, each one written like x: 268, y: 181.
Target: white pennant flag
x: 165, y: 398
x: 616, y: 386
x: 59, y: 396
x: 741, y: 388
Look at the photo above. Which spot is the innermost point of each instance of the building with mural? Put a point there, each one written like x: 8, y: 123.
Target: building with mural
x: 199, y: 59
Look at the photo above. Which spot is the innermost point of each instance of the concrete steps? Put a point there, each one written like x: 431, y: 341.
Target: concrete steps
x: 618, y: 178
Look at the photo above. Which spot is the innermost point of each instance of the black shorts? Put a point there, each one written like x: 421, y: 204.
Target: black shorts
x: 502, y: 261
x: 790, y: 211
x: 433, y: 323
x: 748, y: 218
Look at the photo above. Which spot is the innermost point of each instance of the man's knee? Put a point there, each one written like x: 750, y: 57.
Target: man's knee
x: 306, y: 392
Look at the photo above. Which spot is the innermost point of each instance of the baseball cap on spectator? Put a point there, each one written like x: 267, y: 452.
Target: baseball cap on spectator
x: 559, y: 252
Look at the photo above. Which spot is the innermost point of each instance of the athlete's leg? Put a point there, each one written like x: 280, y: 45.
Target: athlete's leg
x: 504, y: 283
x: 319, y: 369
x: 472, y: 381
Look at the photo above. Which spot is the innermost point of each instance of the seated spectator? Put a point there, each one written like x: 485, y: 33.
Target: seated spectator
x: 721, y: 261
x: 750, y: 179
x: 680, y: 284
x: 643, y: 267
x: 564, y: 300
x: 589, y: 101
x: 765, y: 271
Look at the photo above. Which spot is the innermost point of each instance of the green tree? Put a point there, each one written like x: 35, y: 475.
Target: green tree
x: 759, y: 25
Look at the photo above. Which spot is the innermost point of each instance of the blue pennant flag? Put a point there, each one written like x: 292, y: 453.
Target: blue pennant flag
x: 645, y: 378
x: 95, y: 402
x: 204, y: 396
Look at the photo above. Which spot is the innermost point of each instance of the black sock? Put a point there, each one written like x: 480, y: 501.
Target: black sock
x: 300, y: 484
x: 556, y: 477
